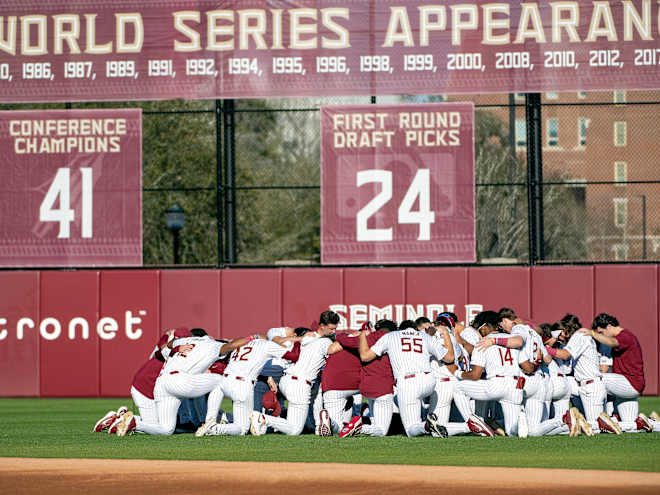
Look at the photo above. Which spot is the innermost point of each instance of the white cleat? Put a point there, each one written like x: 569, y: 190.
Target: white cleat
x: 205, y: 428
x: 257, y: 423
x: 325, y: 426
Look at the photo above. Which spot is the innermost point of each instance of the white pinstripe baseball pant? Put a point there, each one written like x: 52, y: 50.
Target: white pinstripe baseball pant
x: 381, y: 409
x: 561, y: 395
x: 335, y: 402
x: 298, y: 393
x: 168, y: 392
x: 241, y: 392
x: 502, y: 389
x: 145, y: 405
x: 625, y: 400
x: 536, y: 409
x: 410, y: 393
x: 593, y: 397
x: 446, y: 391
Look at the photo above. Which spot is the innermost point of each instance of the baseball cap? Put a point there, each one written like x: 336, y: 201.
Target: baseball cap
x: 445, y: 319
x: 270, y: 403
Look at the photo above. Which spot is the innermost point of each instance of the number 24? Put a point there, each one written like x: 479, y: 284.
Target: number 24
x: 419, y: 187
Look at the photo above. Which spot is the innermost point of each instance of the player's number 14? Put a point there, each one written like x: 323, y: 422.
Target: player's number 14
x: 61, y: 189
x: 420, y: 187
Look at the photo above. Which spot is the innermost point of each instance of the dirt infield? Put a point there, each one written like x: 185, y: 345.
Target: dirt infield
x: 127, y: 477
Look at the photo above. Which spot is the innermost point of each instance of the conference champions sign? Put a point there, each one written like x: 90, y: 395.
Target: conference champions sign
x: 71, y: 188
x: 80, y: 50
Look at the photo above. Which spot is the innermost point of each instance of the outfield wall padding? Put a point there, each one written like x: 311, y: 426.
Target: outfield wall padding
x: 84, y: 333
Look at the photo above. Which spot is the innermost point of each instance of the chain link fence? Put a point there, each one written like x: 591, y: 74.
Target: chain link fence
x: 247, y: 174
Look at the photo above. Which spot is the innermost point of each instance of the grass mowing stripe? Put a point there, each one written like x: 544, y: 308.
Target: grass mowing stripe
x: 62, y: 428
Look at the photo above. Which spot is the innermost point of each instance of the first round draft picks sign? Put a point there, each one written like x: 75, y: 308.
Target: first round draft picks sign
x: 397, y: 184
x: 70, y: 188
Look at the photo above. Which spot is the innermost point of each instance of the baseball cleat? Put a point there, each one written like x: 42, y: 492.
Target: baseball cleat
x: 126, y: 424
x: 353, y: 427
x: 479, y: 427
x: 571, y: 419
x: 105, y: 422
x: 605, y: 423
x: 257, y: 423
x: 654, y: 416
x: 643, y: 423
x: 224, y: 419
x: 496, y: 427
x: 434, y: 427
x: 205, y: 427
x: 121, y: 411
x: 523, y: 427
x: 325, y: 426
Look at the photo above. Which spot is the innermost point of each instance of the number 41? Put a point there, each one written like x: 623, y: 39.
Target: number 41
x: 60, y: 188
x: 419, y: 187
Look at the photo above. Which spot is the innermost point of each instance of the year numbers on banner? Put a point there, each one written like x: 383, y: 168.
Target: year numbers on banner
x: 420, y: 187
x: 60, y: 189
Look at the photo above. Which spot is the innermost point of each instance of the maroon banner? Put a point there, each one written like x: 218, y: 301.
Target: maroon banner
x: 397, y: 184
x: 77, y: 50
x: 71, y: 188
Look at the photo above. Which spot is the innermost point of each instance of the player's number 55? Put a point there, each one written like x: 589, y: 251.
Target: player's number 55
x: 420, y: 187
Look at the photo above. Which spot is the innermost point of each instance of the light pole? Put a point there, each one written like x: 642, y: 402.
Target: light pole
x: 176, y: 219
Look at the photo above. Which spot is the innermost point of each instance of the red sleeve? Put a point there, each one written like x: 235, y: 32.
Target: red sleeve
x: 293, y: 354
x: 348, y: 342
x: 625, y: 340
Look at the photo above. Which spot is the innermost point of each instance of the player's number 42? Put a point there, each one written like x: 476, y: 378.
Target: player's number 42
x: 60, y: 189
x: 420, y: 187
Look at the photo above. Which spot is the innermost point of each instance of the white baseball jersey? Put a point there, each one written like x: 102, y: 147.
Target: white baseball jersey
x: 586, y: 360
x: 533, y: 344
x: 561, y: 366
x: 409, y: 350
x: 470, y: 335
x: 496, y: 360
x: 248, y: 361
x: 276, y: 332
x: 205, y: 352
x: 313, y: 353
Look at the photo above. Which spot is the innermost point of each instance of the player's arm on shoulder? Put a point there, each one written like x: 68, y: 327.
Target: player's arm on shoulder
x: 334, y: 348
x: 459, y: 338
x: 474, y: 373
x: 527, y: 366
x: 447, y: 344
x: 599, y: 337
x: 366, y: 354
x: 558, y: 353
x: 237, y: 343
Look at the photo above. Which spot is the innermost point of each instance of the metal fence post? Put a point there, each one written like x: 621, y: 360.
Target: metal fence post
x: 219, y: 183
x: 534, y: 176
x: 229, y: 157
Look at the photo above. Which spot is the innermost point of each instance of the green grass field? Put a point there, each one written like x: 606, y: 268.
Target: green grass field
x: 62, y: 428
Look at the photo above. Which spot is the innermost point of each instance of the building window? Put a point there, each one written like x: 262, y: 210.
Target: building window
x: 582, y: 131
x: 553, y: 132
x: 620, y: 134
x: 619, y: 97
x: 519, y: 96
x: 620, y: 212
x: 581, y: 95
x: 620, y: 252
x: 553, y: 95
x: 620, y: 173
x: 521, y: 133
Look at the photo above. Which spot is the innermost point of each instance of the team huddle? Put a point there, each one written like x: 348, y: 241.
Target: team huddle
x: 497, y: 376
